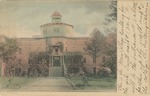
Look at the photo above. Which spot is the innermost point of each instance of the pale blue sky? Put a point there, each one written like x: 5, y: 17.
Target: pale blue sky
x: 23, y: 19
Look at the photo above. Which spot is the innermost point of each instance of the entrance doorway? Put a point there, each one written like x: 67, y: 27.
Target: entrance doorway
x: 56, y: 61
x: 56, y: 70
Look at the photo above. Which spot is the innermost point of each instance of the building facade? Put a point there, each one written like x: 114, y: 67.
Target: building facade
x: 59, y: 44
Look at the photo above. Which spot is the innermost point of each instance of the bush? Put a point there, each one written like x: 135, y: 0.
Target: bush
x: 84, y: 80
x: 104, y: 72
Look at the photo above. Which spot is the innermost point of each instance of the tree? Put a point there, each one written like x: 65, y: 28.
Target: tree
x: 111, y: 18
x: 111, y: 51
x: 73, y: 61
x: 39, y: 64
x: 95, y: 46
x: 113, y: 15
x: 7, y: 49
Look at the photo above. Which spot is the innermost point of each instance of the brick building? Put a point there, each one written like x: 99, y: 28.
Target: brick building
x: 57, y: 41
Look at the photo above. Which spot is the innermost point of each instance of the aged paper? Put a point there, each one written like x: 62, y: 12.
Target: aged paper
x: 133, y: 47
x: 133, y: 75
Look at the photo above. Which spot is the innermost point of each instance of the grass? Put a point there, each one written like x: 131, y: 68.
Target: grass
x: 95, y: 84
x: 15, y: 83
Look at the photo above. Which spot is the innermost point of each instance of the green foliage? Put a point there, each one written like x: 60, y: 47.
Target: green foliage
x: 111, y: 18
x: 72, y: 60
x: 104, y: 72
x: 95, y: 45
x: 35, y: 58
x: 111, y: 51
x: 85, y: 80
x: 95, y: 84
x: 113, y: 15
x: 112, y: 63
x: 73, y: 57
x: 16, y: 82
x: 38, y: 64
x: 8, y: 48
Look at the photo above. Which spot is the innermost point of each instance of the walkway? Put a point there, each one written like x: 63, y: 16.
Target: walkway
x: 55, y: 84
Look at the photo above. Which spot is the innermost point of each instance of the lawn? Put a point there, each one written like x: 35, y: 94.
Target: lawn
x: 15, y: 83
x: 103, y: 84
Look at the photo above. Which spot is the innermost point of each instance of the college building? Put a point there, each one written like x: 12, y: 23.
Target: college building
x: 61, y: 51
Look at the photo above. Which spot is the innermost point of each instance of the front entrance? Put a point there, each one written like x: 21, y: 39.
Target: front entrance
x: 56, y: 70
x: 56, y: 61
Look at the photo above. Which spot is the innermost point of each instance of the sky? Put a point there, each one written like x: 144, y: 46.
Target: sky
x: 23, y: 19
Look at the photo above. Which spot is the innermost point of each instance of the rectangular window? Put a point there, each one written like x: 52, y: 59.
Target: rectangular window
x: 56, y: 29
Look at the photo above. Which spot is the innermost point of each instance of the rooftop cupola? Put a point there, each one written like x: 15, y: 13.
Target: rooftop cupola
x: 56, y: 17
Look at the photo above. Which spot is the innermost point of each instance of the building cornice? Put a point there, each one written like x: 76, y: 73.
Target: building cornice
x: 57, y: 37
x: 51, y: 24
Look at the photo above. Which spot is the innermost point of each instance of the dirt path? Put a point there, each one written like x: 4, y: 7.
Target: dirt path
x: 57, y: 84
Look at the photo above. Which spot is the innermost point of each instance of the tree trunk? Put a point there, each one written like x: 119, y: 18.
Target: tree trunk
x: 95, y: 66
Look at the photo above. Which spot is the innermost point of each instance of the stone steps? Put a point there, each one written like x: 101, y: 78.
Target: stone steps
x: 56, y: 72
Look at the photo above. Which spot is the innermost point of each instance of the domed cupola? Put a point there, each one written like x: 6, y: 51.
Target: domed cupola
x: 56, y: 17
x: 57, y: 27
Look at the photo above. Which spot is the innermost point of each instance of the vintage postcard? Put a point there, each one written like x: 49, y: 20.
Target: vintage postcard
x: 57, y: 46
x: 74, y: 47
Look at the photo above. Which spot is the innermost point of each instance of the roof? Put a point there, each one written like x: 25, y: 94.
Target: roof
x: 57, y: 37
x: 50, y: 24
x: 56, y: 14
